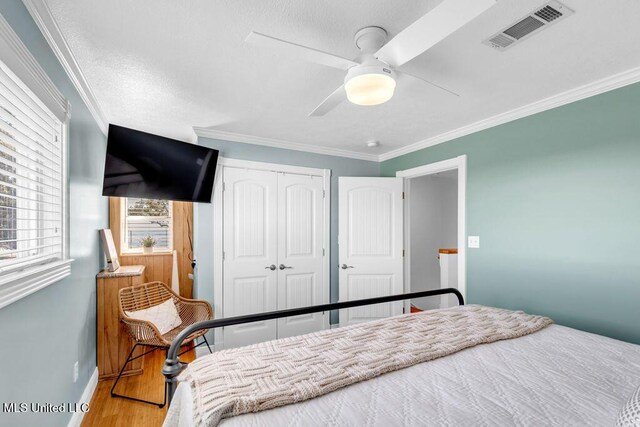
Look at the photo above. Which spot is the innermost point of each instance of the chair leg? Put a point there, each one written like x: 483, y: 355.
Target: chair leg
x: 204, y: 337
x: 114, y: 394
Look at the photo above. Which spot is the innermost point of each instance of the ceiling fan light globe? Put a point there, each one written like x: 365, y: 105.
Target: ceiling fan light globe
x: 370, y: 89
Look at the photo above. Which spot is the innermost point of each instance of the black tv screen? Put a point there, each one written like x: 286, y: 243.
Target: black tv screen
x: 140, y: 164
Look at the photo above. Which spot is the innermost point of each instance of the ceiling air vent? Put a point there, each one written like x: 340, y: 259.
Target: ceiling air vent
x: 540, y: 18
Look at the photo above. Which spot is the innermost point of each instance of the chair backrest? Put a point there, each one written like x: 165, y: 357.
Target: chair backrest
x: 146, y: 295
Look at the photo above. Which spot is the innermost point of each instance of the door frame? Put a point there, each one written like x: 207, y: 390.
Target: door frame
x: 218, y: 229
x: 457, y: 163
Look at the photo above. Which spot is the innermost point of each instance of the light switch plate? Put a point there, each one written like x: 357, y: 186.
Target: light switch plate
x: 474, y: 242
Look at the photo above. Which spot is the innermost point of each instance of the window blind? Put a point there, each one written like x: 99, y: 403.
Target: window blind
x: 31, y: 178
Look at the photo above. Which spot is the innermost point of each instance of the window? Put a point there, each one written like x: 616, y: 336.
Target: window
x: 32, y: 187
x: 146, y: 218
x: 34, y: 119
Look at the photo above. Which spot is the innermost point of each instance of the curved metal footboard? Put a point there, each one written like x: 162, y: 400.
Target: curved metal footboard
x: 173, y: 367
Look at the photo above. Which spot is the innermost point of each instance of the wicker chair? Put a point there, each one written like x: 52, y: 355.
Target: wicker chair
x: 145, y: 333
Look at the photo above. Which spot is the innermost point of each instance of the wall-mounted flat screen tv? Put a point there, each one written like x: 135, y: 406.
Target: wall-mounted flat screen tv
x: 139, y: 164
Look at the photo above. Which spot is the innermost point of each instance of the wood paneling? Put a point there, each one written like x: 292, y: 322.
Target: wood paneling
x: 113, y: 340
x: 159, y: 266
x: 182, y: 238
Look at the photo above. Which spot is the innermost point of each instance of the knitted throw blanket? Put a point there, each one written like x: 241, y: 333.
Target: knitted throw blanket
x: 276, y: 373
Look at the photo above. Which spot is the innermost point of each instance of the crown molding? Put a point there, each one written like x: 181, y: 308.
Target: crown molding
x: 41, y: 14
x: 278, y: 143
x: 590, y: 89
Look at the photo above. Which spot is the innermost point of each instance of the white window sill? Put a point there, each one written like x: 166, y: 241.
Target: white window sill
x: 22, y: 284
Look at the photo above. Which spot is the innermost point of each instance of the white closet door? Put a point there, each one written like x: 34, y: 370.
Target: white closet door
x: 300, y: 257
x: 250, y: 252
x: 371, y: 245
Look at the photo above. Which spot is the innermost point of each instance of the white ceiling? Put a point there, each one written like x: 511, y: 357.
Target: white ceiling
x: 165, y: 66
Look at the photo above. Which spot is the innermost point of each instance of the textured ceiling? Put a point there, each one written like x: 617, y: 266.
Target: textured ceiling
x: 165, y: 66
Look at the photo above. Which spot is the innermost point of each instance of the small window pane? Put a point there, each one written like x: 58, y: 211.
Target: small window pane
x: 147, y: 217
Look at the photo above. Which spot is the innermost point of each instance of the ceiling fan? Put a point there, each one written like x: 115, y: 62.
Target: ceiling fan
x: 371, y: 78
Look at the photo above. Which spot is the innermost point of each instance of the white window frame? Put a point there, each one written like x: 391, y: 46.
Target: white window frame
x: 15, y: 55
x: 124, y: 247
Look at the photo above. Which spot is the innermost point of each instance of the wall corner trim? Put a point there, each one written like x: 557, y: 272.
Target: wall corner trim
x: 42, y: 16
x: 279, y: 143
x: 572, y: 95
x: 87, y: 394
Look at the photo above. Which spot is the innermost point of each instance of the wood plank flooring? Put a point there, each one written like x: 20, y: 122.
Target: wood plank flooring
x: 115, y: 412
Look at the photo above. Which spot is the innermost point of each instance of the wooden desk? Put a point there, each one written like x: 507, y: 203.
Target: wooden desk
x: 114, y: 342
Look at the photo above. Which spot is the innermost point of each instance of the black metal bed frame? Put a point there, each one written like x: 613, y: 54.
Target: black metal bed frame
x: 173, y: 366
x: 131, y: 359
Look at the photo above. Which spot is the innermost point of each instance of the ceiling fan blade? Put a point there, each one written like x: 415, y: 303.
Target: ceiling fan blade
x: 408, y: 76
x: 331, y: 102
x: 292, y: 49
x: 435, y: 26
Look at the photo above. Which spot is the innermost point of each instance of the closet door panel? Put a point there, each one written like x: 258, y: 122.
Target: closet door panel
x: 250, y: 249
x: 300, y: 251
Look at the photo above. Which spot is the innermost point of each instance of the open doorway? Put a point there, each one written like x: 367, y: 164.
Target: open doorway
x: 433, y: 227
x: 435, y: 231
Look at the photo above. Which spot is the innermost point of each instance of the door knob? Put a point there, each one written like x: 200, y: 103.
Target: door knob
x: 282, y: 267
x: 345, y: 266
x: 271, y: 267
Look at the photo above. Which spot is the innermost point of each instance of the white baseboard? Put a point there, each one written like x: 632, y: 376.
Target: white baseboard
x: 87, y: 394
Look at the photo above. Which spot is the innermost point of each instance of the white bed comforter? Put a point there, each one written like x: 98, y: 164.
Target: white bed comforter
x: 557, y: 376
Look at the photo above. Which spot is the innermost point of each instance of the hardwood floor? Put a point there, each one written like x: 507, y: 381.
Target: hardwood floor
x: 105, y: 410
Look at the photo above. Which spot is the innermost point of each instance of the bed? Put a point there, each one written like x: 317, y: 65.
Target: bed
x: 554, y: 376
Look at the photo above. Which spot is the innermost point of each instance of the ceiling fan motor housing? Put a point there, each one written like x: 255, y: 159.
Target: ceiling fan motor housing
x: 363, y: 69
x: 369, y: 40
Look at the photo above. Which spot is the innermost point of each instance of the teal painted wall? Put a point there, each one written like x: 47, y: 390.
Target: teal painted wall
x: 203, y: 217
x: 555, y: 199
x: 43, y: 334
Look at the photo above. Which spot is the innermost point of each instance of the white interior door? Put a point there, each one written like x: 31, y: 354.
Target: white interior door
x: 371, y: 245
x: 300, y: 251
x: 250, y: 252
